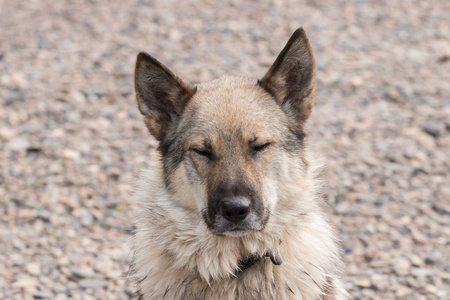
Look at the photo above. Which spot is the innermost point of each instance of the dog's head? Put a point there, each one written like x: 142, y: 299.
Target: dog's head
x: 227, y: 145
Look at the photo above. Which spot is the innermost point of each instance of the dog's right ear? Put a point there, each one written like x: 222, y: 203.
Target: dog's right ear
x: 290, y: 80
x: 160, y: 94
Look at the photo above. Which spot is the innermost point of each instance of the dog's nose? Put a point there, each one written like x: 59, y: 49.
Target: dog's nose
x: 235, y: 209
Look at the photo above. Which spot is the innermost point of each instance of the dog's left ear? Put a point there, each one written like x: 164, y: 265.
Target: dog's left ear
x: 160, y: 94
x: 290, y: 80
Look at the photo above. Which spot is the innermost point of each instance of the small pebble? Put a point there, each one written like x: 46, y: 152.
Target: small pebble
x: 92, y: 283
x: 59, y: 288
x: 43, y: 295
x: 434, y: 128
x: 83, y: 272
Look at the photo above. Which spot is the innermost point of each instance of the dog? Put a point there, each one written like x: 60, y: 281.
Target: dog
x: 231, y: 209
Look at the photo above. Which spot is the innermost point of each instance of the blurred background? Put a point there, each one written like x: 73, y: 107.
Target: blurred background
x: 72, y: 140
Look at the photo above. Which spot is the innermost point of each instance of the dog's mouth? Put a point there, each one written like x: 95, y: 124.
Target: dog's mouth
x: 237, y: 229
x: 220, y: 226
x: 237, y: 232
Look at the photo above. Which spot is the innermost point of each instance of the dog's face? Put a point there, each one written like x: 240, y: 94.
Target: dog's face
x: 224, y: 143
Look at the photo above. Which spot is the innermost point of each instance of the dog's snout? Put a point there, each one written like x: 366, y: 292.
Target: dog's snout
x: 235, y: 209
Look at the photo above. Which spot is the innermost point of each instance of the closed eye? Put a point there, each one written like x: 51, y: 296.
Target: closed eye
x: 262, y: 147
x: 203, y: 153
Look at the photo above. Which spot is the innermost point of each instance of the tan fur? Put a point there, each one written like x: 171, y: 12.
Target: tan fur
x: 177, y: 255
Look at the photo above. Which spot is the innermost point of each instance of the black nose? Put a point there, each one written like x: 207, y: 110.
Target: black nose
x: 235, y: 209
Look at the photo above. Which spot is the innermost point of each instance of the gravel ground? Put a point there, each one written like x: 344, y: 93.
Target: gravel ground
x: 72, y: 140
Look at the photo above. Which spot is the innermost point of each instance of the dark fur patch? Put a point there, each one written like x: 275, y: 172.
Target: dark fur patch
x: 165, y: 293
x: 293, y: 141
x: 329, y: 290
x: 289, y: 289
x: 249, y: 261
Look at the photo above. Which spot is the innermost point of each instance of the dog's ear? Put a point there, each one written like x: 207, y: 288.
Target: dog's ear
x: 290, y: 80
x: 160, y: 94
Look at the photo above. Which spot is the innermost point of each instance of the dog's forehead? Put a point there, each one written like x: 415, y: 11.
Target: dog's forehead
x: 233, y: 102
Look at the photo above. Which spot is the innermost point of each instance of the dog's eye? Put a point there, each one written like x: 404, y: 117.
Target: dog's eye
x: 204, y: 153
x: 261, y: 147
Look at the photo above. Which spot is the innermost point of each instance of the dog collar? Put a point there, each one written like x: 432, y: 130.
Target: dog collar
x: 250, y: 260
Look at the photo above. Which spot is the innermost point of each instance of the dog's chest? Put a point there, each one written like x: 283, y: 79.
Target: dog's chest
x: 262, y: 280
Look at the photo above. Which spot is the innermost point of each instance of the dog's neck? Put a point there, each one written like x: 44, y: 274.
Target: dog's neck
x: 250, y: 260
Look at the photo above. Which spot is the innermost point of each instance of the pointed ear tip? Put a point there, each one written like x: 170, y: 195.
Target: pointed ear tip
x: 143, y: 57
x: 299, y: 33
x: 143, y: 54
